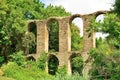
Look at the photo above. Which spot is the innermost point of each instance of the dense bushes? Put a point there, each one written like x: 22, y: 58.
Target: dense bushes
x: 18, y: 58
x: 77, y: 64
x: 105, y: 66
x: 1, y: 60
x: 41, y: 63
x: 12, y: 70
x: 20, y: 69
x: 75, y: 76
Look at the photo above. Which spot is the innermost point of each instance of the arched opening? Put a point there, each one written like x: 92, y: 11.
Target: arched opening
x: 31, y: 58
x: 52, y: 64
x: 100, y: 35
x: 76, y: 24
x: 76, y: 62
x: 100, y: 18
x: 32, y: 42
x: 53, y: 29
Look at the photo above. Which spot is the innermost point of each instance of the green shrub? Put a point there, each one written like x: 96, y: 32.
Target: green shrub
x: 1, y: 60
x: 18, y: 58
x: 77, y: 64
x: 12, y: 70
x: 53, y: 65
x: 62, y: 70
x: 41, y: 63
x: 75, y: 76
x: 105, y: 66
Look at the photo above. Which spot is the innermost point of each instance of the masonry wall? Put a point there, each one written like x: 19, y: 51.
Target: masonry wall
x: 64, y: 35
x: 65, y: 39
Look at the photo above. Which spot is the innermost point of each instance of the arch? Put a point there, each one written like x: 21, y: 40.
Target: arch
x: 100, y: 18
x: 53, y: 34
x: 100, y: 12
x: 76, y: 25
x: 51, y: 19
x: 31, y: 58
x: 32, y: 30
x: 31, y: 23
x: 74, y: 16
x: 52, y: 64
x: 76, y: 63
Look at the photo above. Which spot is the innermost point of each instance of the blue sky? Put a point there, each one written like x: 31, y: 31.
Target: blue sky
x: 82, y: 7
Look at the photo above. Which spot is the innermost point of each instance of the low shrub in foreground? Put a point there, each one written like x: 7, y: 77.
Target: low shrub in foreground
x: 12, y: 70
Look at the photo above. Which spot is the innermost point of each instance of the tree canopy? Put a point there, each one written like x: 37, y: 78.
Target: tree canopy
x: 13, y: 23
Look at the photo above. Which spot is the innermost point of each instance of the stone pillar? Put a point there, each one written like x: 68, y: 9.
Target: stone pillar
x: 64, y: 35
x: 64, y: 61
x: 89, y: 42
x: 64, y: 42
x: 42, y: 38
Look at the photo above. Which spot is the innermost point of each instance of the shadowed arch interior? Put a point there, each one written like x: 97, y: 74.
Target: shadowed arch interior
x: 31, y: 58
x: 32, y: 29
x: 53, y: 30
x: 53, y: 63
x: 76, y: 25
x: 76, y: 62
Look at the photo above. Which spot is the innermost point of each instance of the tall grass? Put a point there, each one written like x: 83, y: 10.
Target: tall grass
x: 12, y: 70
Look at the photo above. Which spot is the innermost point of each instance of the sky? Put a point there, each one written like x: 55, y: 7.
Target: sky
x: 82, y: 7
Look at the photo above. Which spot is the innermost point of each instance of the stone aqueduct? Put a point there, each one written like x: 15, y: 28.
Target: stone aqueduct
x: 64, y: 54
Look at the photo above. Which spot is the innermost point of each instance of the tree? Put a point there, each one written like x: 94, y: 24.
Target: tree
x: 117, y: 7
x: 13, y: 20
x: 106, y: 63
x: 111, y: 26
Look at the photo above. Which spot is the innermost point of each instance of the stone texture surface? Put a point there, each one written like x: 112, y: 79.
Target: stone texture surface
x: 65, y: 52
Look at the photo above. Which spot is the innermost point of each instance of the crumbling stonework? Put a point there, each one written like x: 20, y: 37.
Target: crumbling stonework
x: 65, y: 53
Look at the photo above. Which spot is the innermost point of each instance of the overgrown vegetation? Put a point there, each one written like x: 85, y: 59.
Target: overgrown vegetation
x: 106, y: 65
x: 1, y: 60
x: 13, y: 24
x: 106, y: 55
x: 77, y: 64
x: 30, y: 70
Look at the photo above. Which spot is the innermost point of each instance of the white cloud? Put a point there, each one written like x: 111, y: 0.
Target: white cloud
x: 82, y: 6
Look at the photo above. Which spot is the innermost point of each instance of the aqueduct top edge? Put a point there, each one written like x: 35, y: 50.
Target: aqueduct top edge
x: 72, y: 16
